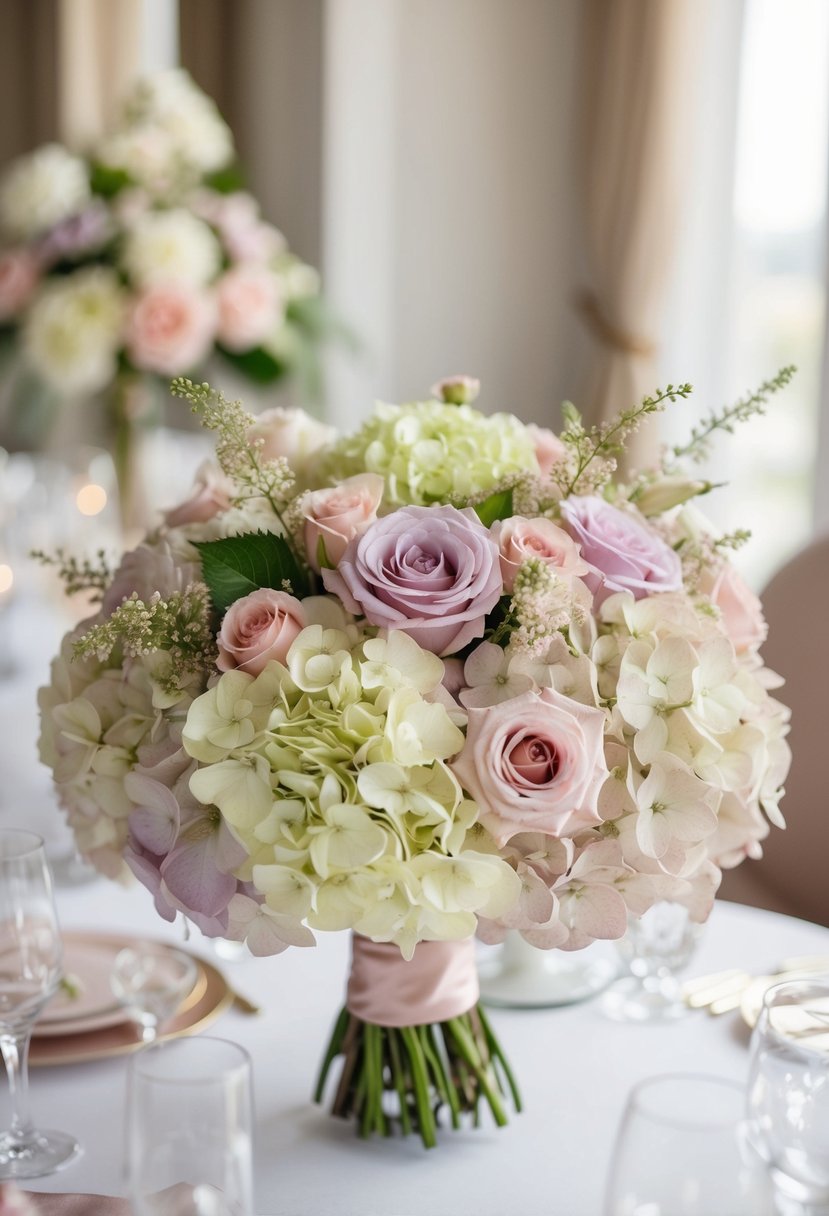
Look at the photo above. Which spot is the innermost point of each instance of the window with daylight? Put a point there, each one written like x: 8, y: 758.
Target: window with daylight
x: 752, y: 269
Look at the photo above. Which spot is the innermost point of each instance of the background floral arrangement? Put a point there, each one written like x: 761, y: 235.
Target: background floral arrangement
x: 145, y: 256
x: 439, y: 677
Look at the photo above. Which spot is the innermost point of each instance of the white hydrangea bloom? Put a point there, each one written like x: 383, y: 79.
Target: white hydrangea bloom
x: 73, y: 330
x: 171, y: 246
x: 41, y: 189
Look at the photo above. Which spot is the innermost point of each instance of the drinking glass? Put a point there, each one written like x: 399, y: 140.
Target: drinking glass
x: 151, y: 980
x: 788, y: 1094
x: 681, y: 1151
x: 655, y: 948
x: 189, y: 1129
x: 30, y: 971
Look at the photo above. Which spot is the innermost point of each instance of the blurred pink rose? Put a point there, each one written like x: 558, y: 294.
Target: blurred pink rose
x: 338, y: 514
x: 257, y: 628
x: 18, y: 279
x: 519, y: 539
x: 170, y: 328
x: 212, y: 492
x: 250, y: 306
x: 623, y: 553
x: 534, y: 764
x: 742, y: 613
x: 548, y: 447
x: 292, y: 434
x: 431, y: 572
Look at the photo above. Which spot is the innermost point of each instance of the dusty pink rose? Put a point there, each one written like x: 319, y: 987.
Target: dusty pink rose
x: 548, y: 447
x: 534, y: 764
x: 250, y: 306
x: 18, y: 279
x: 336, y: 515
x: 519, y: 539
x: 212, y: 492
x: 292, y: 434
x: 431, y: 572
x: 742, y: 613
x: 170, y: 328
x: 623, y: 553
x: 257, y: 628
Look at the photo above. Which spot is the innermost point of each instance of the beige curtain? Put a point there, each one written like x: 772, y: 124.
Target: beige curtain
x: 99, y: 53
x: 28, y: 72
x: 637, y: 73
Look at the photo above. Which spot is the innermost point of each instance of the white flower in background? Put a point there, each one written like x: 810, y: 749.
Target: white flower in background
x: 146, y: 154
x: 171, y: 246
x: 40, y: 190
x: 73, y: 331
x: 299, y: 280
x: 170, y: 100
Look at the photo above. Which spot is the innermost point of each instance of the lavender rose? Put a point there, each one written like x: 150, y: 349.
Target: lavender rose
x: 624, y: 554
x: 432, y: 572
x: 534, y: 764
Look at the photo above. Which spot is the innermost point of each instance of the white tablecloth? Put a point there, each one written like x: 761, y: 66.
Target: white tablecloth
x: 574, y: 1067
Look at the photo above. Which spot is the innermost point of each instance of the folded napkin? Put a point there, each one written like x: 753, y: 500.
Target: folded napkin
x: 79, y: 1205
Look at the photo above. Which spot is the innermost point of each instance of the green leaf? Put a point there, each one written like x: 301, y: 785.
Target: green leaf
x: 227, y: 180
x: 107, y: 181
x: 323, y: 560
x: 497, y: 506
x: 256, y: 364
x: 238, y: 565
x: 571, y: 416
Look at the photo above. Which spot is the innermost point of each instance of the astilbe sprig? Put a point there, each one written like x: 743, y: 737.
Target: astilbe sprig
x: 79, y: 574
x: 698, y: 446
x: 179, y: 627
x: 592, y: 453
x: 237, y: 451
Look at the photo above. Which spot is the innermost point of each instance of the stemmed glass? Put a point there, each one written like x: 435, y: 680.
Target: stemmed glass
x: 190, y: 1129
x: 681, y: 1151
x: 30, y: 971
x: 655, y: 948
x: 788, y: 1094
x: 151, y: 980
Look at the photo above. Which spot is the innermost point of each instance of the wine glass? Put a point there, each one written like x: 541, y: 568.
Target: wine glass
x: 657, y: 945
x: 189, y: 1129
x: 682, y: 1151
x: 151, y: 980
x: 788, y: 1094
x: 30, y: 971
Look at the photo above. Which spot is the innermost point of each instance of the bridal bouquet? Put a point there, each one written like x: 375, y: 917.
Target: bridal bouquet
x: 142, y: 259
x: 440, y: 677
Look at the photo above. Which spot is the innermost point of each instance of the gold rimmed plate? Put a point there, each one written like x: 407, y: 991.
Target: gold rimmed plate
x: 62, y: 1044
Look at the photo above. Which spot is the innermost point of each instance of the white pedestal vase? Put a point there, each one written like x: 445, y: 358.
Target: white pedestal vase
x: 519, y: 976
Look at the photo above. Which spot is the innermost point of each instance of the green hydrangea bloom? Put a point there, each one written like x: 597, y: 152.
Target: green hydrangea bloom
x: 430, y: 452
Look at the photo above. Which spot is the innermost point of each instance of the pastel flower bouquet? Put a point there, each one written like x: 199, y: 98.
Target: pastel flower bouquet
x: 445, y: 676
x: 140, y: 260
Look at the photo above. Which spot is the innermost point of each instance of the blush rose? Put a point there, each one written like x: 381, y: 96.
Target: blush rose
x: 432, y: 572
x: 336, y: 515
x: 741, y: 611
x: 250, y: 306
x: 534, y: 764
x: 212, y: 493
x: 519, y: 539
x: 623, y: 553
x: 548, y: 447
x: 170, y: 328
x: 257, y: 628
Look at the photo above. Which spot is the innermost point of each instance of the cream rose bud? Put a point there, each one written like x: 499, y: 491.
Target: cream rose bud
x: 519, y: 539
x: 257, y: 628
x: 534, y: 763
x: 291, y: 434
x: 741, y: 611
x: 336, y: 515
x: 548, y: 447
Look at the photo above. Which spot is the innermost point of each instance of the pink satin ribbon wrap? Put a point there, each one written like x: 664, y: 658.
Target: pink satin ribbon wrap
x: 440, y: 982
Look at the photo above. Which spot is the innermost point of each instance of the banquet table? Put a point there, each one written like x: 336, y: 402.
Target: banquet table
x: 575, y: 1067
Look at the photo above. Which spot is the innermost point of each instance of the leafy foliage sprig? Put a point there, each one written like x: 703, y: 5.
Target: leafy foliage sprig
x: 79, y: 574
x: 179, y: 627
x: 752, y: 404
